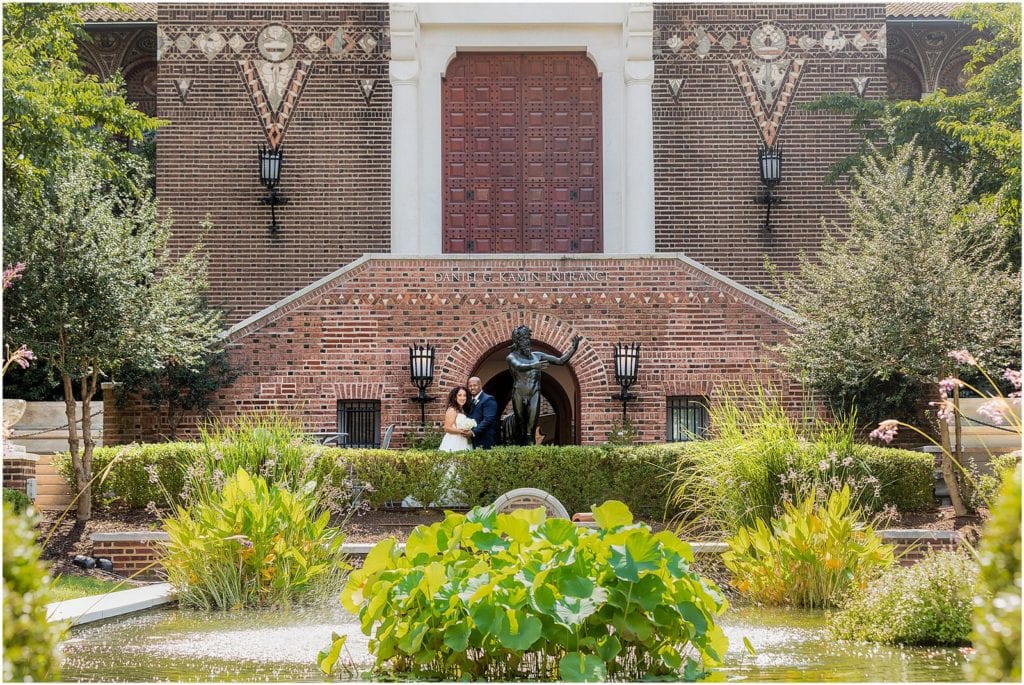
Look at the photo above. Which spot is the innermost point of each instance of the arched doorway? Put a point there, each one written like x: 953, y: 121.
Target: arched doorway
x: 560, y: 395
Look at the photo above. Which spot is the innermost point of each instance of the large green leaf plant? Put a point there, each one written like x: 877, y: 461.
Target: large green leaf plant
x: 491, y: 595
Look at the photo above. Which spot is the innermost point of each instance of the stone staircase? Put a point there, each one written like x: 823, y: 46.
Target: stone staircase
x: 53, y: 492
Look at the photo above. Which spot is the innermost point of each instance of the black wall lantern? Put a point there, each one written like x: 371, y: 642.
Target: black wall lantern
x: 421, y: 368
x: 627, y: 364
x: 769, y: 163
x: 271, y: 160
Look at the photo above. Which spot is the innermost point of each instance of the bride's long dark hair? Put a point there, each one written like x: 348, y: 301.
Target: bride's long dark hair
x: 453, y: 397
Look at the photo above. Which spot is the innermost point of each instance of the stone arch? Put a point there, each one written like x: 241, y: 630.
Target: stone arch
x: 483, y: 336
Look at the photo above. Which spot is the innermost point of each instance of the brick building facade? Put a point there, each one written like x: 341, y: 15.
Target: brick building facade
x: 452, y: 172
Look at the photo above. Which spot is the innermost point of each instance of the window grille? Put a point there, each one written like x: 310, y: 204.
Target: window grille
x: 687, y: 419
x: 360, y: 421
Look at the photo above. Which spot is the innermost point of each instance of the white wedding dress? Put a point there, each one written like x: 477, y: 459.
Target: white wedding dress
x: 458, y: 443
x: 449, y: 443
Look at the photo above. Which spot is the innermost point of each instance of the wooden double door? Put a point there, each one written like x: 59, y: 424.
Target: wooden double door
x: 521, y: 153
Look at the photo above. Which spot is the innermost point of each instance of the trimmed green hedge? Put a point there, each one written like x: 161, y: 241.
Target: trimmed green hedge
x: 579, y: 476
x: 907, y: 478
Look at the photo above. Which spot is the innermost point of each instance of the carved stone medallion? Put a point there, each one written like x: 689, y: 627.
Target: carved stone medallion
x: 275, y: 43
x: 768, y: 41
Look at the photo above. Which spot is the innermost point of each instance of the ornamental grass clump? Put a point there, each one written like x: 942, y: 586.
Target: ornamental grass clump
x: 761, y: 457
x: 810, y: 556
x: 508, y: 596
x: 928, y: 603
x: 250, y: 544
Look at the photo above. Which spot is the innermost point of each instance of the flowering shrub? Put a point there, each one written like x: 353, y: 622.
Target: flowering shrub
x: 30, y: 642
x: 928, y: 603
x: 997, y: 615
x: 761, y: 458
x: 505, y: 596
x: 811, y: 556
x: 251, y: 543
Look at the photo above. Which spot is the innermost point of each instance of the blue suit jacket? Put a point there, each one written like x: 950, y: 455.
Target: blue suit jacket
x: 485, y: 411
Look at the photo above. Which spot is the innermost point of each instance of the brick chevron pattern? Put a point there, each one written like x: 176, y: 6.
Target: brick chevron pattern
x: 274, y: 123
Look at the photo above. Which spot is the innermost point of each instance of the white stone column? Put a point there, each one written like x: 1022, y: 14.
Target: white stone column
x: 638, y: 227
x: 404, y: 72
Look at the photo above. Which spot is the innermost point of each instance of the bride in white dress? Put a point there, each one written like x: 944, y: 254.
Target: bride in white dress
x: 457, y: 426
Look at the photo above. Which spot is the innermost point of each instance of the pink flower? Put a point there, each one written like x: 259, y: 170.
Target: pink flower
x: 22, y: 356
x: 1013, y: 377
x: 946, y: 386
x: 13, y: 273
x: 946, y: 411
x: 993, y: 411
x: 886, y: 431
x: 963, y: 356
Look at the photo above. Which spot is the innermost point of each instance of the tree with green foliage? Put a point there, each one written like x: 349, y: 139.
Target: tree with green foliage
x: 981, y: 126
x: 54, y: 110
x: 175, y: 388
x: 915, y: 276
x: 30, y: 641
x: 101, y: 292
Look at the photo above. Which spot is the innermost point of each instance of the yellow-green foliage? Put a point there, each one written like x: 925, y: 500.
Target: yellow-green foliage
x: 997, y: 618
x: 519, y: 595
x: 811, y: 556
x: 252, y: 544
x: 928, y: 603
x: 29, y: 641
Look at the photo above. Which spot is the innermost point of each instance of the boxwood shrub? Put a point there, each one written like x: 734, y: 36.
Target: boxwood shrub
x: 579, y: 476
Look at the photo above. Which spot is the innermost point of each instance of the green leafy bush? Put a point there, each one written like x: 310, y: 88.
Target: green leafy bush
x: 811, y: 556
x: 762, y: 456
x: 505, y: 596
x: 579, y: 476
x: 982, y: 489
x: 128, y: 482
x: 30, y: 642
x: 250, y: 543
x: 18, y: 500
x: 906, y: 477
x: 928, y: 603
x: 997, y: 616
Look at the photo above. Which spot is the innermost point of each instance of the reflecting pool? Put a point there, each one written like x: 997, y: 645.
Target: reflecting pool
x: 173, y: 644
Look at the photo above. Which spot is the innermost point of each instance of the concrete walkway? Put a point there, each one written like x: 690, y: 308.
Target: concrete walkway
x: 98, y: 607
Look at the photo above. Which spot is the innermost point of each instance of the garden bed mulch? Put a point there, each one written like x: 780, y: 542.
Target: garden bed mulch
x: 71, y: 537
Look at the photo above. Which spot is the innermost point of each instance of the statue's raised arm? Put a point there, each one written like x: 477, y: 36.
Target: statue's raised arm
x: 564, y: 359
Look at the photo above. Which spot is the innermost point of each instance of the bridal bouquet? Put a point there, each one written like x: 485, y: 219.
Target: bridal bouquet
x: 464, y: 423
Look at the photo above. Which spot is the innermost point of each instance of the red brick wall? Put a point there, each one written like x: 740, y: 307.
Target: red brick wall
x: 706, y: 140
x: 17, y: 472
x: 350, y: 339
x: 336, y: 172
x: 135, y: 558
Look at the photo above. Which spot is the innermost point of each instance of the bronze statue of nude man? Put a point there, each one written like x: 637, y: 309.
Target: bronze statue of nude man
x: 526, y: 367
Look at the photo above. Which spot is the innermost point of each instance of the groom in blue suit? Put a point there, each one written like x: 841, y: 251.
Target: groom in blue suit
x: 484, y: 410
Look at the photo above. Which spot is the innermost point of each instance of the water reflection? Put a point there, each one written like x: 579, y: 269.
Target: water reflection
x: 273, y: 646
x: 792, y: 645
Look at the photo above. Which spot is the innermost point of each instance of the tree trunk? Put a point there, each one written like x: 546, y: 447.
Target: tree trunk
x: 88, y: 390
x: 82, y: 476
